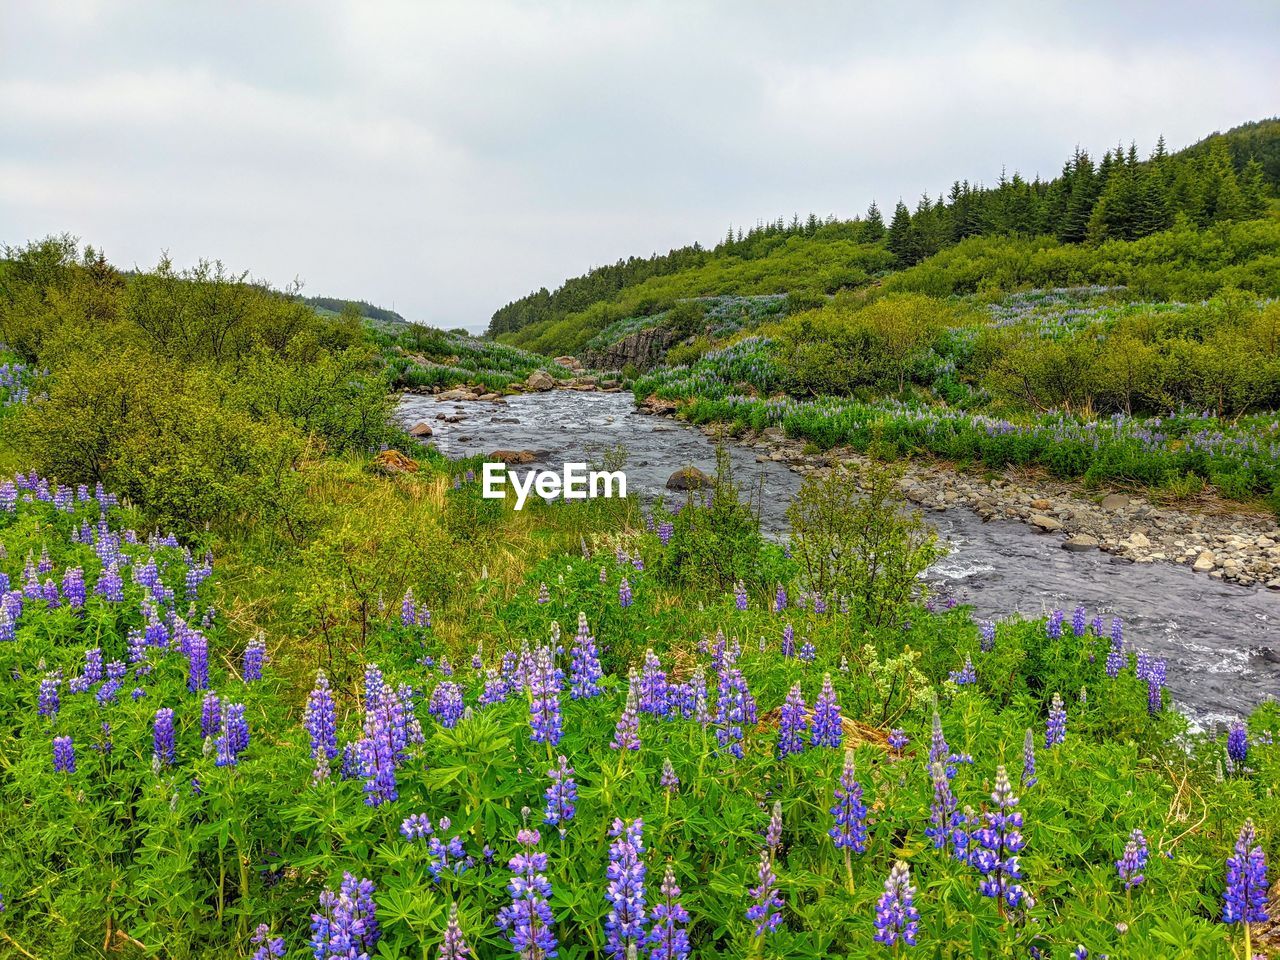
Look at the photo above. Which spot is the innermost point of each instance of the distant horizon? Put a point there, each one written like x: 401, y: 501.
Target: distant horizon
x: 444, y: 161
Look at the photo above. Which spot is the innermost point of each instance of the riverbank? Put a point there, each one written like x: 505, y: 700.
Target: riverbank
x: 1233, y: 547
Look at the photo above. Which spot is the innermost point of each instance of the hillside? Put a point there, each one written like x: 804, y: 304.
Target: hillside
x: 1226, y: 177
x: 379, y: 318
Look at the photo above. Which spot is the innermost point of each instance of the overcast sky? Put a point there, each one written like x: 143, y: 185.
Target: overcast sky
x: 445, y: 158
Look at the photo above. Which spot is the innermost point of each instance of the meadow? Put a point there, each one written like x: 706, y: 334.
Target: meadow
x: 598, y: 733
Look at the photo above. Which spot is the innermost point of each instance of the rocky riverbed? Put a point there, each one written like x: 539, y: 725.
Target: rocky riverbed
x: 1238, y: 548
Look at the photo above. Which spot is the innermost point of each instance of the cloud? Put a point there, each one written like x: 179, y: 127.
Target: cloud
x: 447, y: 157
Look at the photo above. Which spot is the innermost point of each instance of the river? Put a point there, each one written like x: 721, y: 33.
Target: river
x: 1220, y: 640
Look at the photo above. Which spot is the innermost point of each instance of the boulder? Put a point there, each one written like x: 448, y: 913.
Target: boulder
x: 1041, y: 504
x: 571, y: 363
x: 393, y: 461
x: 489, y: 396
x: 1114, y: 501
x: 514, y: 456
x: 689, y: 478
x: 1136, y: 541
x: 1080, y: 543
x: 456, y: 394
x: 1205, y: 562
x: 541, y: 381
x: 662, y: 407
x: 421, y: 430
x: 1046, y: 524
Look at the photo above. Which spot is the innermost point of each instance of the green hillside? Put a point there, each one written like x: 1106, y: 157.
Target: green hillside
x: 1090, y: 211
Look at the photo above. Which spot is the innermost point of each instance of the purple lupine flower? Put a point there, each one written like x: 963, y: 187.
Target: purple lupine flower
x: 496, y: 688
x: 947, y: 825
x: 1155, y: 687
x: 234, y: 739
x: 624, y: 593
x: 197, y: 662
x: 544, y: 595
x: 668, y: 939
x: 48, y: 702
x: 64, y: 755
x: 626, y: 734
x: 654, y: 690
x: 164, y: 749
x: 527, y: 920
x: 965, y: 675
x: 443, y: 856
x: 792, y: 723
x: 382, y: 744
x: 446, y: 704
x: 665, y: 530
x: 1245, y: 898
x: 766, y: 908
x: 828, y: 728
x: 584, y: 663
x: 773, y: 833
x: 669, y: 781
x: 210, y: 716
x: 268, y: 946
x: 779, y: 599
x: 1029, y: 759
x: 999, y: 843
x: 93, y: 669
x: 986, y: 636
x: 850, y: 830
x: 1053, y: 627
x: 1055, y: 730
x: 1238, y: 742
x: 624, y: 924
x: 1117, y: 630
x: 808, y: 652
x: 734, y: 707
x: 1078, y: 621
x: 701, y: 711
x: 454, y: 946
x: 788, y: 641
x: 347, y: 924
x: 896, y: 915
x: 561, y: 796
x: 898, y: 741
x: 740, y: 596
x: 255, y: 655
x: 408, y: 609
x: 545, y: 723
x: 321, y: 723
x: 1134, y: 861
x: 110, y: 586
x: 1115, y: 659
x: 73, y: 587
x: 107, y: 692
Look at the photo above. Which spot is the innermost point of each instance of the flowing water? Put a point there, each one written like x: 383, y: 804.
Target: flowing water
x: 1221, y: 641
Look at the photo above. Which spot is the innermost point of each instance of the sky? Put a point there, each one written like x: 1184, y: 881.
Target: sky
x: 445, y: 158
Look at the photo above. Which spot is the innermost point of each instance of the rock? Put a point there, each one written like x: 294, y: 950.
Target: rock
x: 572, y: 363
x: 540, y: 380
x: 653, y: 405
x: 514, y: 456
x: 1136, y: 541
x: 690, y: 478
x: 489, y: 396
x: 393, y: 461
x: 421, y: 430
x: 1114, y: 501
x: 643, y: 349
x: 1205, y: 562
x: 1046, y: 524
x: 1080, y: 543
x: 455, y: 394
x: 1041, y: 504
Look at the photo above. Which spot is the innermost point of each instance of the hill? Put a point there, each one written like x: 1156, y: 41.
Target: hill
x: 379, y: 318
x: 1226, y: 177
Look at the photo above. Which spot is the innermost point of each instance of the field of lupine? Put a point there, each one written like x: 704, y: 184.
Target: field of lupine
x: 611, y: 768
x: 738, y: 385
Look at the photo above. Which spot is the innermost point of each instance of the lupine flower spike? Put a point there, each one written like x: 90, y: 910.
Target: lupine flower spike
x: 1245, y: 900
x: 897, y: 918
x: 850, y: 831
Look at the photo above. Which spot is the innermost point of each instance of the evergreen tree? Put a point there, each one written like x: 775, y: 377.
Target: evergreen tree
x: 873, y: 226
x: 899, y: 242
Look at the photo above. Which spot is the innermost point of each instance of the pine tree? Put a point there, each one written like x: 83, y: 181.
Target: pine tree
x: 1253, y: 189
x: 899, y: 242
x: 873, y: 226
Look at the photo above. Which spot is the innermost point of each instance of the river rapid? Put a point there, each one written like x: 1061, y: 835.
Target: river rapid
x: 1220, y: 639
